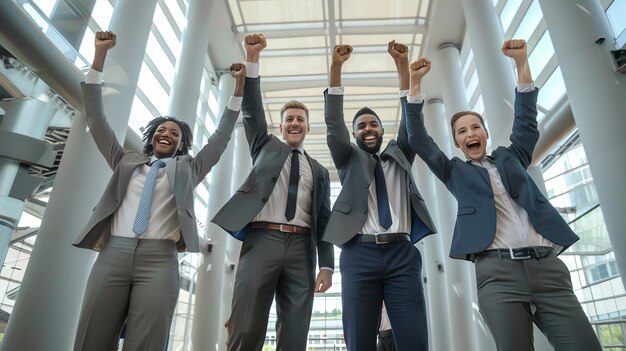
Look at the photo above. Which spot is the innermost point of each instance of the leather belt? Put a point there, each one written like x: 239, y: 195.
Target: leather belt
x: 383, y: 238
x: 522, y: 253
x: 285, y: 228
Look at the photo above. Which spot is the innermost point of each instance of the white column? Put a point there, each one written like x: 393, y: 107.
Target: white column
x: 207, y: 318
x: 241, y: 168
x: 495, y: 71
x: 46, y: 312
x: 596, y: 93
x: 434, y: 270
x: 30, y: 118
x: 190, y: 63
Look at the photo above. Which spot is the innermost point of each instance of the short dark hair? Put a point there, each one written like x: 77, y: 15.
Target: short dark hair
x: 294, y: 104
x: 186, y: 138
x: 365, y: 111
x: 458, y: 115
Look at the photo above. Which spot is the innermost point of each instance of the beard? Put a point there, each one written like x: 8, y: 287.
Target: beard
x: 373, y: 149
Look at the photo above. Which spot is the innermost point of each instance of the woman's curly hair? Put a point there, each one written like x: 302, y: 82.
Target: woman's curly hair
x: 186, y: 137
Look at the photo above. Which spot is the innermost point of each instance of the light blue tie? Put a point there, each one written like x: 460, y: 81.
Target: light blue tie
x: 145, y: 203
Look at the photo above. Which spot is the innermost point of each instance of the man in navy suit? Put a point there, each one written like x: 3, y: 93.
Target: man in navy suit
x: 504, y: 223
x: 280, y: 241
x: 377, y: 218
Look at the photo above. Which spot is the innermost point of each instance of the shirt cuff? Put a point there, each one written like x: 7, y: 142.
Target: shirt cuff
x: 234, y: 104
x: 252, y: 69
x: 335, y: 90
x: 404, y: 93
x: 93, y: 77
x: 327, y: 269
x: 525, y: 87
x: 416, y: 99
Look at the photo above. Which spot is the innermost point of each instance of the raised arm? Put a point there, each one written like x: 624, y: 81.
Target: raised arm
x: 252, y: 104
x: 419, y: 139
x: 337, y: 136
x: 400, y: 55
x: 100, y: 130
x: 524, y: 135
x: 218, y: 141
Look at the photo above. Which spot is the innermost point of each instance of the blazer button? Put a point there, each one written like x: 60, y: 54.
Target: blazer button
x: 274, y: 179
x: 490, y: 196
x: 263, y: 200
x: 515, y: 195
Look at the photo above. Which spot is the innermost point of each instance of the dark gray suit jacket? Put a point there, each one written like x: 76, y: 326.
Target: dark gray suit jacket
x: 475, y: 226
x: 356, y: 172
x: 268, y: 157
x: 184, y: 173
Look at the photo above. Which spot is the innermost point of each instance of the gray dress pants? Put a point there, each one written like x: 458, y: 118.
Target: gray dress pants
x: 134, y: 281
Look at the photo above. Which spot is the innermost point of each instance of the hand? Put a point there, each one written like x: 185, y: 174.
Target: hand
x: 105, y: 40
x: 419, y: 69
x: 341, y: 53
x: 515, y: 49
x: 323, y: 281
x: 254, y: 44
x: 398, y: 51
x: 238, y: 71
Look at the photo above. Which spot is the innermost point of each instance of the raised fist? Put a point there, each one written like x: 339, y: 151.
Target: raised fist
x: 255, y: 43
x: 419, y: 68
x: 341, y: 53
x: 105, y: 40
x: 515, y: 49
x: 397, y: 51
x: 238, y: 71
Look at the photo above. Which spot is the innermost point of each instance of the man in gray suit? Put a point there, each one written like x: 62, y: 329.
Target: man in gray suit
x: 144, y: 216
x: 505, y: 224
x: 280, y: 213
x: 377, y: 218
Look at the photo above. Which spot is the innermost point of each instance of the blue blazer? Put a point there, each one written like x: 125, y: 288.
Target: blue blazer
x: 356, y: 172
x: 475, y: 227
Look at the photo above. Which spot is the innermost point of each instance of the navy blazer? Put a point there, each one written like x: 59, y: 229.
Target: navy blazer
x: 184, y: 173
x: 269, y: 155
x: 475, y: 227
x: 356, y: 172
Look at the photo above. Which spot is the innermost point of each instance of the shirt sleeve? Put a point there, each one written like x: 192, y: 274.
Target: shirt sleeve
x: 252, y: 69
x: 335, y: 90
x: 525, y: 87
x: 93, y: 77
x: 234, y: 104
x: 416, y: 99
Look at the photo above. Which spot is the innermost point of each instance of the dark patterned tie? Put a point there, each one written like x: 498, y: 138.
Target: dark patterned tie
x: 142, y: 219
x: 384, y: 214
x: 294, y: 178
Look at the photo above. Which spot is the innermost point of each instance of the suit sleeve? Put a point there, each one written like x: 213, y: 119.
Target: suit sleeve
x: 254, y: 116
x: 101, y: 131
x: 337, y: 136
x: 424, y: 145
x: 325, y: 250
x: 403, y: 136
x: 215, y: 146
x: 524, y: 135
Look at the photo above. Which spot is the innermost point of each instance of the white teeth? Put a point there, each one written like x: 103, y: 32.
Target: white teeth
x: 370, y: 137
x: 164, y: 142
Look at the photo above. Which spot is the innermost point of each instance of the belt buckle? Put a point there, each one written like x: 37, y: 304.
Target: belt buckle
x: 376, y: 236
x: 284, y: 228
x: 513, y: 257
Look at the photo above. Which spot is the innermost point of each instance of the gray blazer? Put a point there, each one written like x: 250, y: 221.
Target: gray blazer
x: 269, y: 155
x: 475, y: 226
x: 184, y: 173
x: 356, y: 172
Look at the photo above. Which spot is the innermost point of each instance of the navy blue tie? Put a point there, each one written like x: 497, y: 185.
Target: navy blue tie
x: 384, y: 214
x: 145, y: 202
x: 292, y: 192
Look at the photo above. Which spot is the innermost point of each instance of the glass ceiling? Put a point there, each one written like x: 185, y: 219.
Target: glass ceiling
x: 301, y: 35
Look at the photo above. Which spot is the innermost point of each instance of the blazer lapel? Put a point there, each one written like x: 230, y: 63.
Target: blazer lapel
x: 170, y: 169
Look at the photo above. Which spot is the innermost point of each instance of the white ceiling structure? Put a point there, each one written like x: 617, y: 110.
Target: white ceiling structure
x: 301, y: 35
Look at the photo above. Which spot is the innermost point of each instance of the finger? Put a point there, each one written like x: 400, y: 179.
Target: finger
x: 401, y: 48
x: 505, y: 45
x: 390, y: 45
